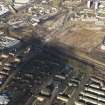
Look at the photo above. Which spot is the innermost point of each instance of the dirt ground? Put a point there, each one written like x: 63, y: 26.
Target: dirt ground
x: 83, y: 39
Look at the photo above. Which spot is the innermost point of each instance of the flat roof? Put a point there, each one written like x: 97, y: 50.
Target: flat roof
x: 7, y: 42
x: 22, y: 1
x: 4, y: 100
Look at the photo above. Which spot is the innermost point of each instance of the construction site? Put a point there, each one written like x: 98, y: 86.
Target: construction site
x: 52, y: 52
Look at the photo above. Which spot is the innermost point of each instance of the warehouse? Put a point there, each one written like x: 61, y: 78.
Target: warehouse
x: 9, y: 44
x: 95, y: 90
x: 21, y: 1
x: 94, y: 96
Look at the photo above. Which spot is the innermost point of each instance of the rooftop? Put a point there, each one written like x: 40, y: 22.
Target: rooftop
x: 22, y: 1
x: 6, y: 42
x: 4, y: 100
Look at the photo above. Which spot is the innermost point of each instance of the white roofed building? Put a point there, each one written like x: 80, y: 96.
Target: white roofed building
x: 21, y: 1
x: 4, y: 100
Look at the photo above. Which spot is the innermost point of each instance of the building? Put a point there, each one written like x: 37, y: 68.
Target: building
x: 4, y: 100
x: 103, y: 44
x: 9, y: 44
x: 90, y: 3
x: 21, y: 1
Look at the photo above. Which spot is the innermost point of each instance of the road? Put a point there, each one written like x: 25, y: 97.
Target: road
x: 76, y: 92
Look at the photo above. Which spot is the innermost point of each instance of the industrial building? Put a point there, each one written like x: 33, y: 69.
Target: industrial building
x: 93, y: 2
x: 93, y: 93
x: 21, y: 1
x: 9, y: 44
